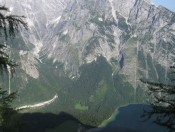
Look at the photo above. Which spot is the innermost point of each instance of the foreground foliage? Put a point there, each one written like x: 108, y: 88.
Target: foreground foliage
x: 9, y: 26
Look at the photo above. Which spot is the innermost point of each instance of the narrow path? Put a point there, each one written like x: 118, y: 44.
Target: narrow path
x: 38, y: 104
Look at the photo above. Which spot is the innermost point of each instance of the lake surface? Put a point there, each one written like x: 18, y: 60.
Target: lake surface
x: 128, y: 119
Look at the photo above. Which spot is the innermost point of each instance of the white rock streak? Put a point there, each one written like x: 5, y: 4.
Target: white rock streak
x: 100, y: 19
x: 65, y: 32
x: 38, y: 104
x: 9, y: 77
x: 38, y: 47
x: 113, y: 10
x: 54, y: 21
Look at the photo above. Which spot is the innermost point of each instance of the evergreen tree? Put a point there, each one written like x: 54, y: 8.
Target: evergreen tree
x: 162, y: 101
x: 9, y: 26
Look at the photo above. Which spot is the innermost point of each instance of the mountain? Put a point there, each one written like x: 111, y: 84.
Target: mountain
x: 91, y: 53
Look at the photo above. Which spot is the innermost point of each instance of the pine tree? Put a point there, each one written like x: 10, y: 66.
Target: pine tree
x: 9, y: 26
x: 162, y: 102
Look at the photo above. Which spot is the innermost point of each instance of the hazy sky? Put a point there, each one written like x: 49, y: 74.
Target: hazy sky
x: 170, y: 4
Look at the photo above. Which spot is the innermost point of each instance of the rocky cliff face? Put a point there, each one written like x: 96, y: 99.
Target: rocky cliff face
x: 92, y: 51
